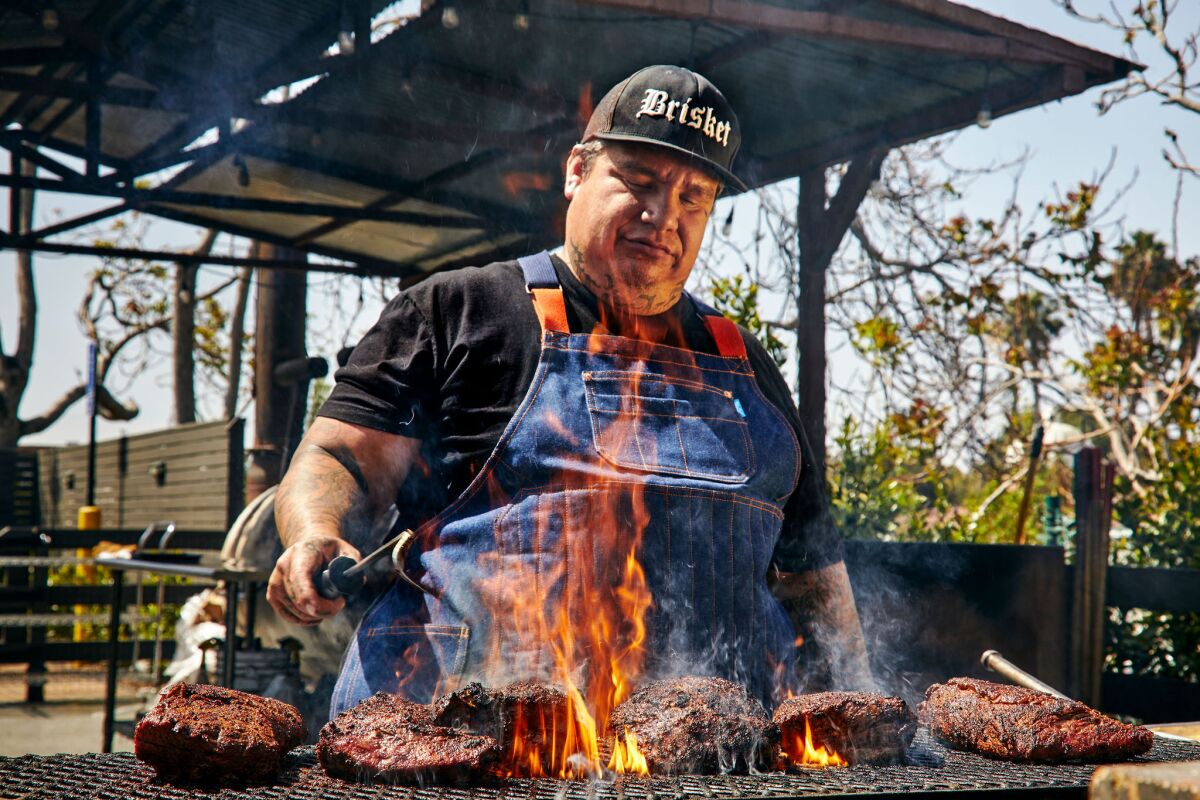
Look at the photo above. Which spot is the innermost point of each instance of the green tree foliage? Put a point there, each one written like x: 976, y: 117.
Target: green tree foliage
x: 885, y: 485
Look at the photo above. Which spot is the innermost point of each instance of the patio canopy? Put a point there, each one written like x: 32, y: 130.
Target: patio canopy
x: 443, y: 142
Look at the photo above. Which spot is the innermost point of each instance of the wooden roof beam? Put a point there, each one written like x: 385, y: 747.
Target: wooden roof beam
x: 138, y: 198
x: 1063, y: 50
x: 83, y: 91
x: 761, y: 17
x: 928, y: 121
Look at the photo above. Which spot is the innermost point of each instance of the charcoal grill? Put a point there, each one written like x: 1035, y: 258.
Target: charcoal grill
x: 933, y: 771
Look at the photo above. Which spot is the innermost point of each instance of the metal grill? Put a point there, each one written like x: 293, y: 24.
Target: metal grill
x: 932, y: 770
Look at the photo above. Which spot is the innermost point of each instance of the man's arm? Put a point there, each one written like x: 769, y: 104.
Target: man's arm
x: 821, y: 607
x: 342, y: 477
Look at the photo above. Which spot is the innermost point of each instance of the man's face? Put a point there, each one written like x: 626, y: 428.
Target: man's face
x: 635, y: 223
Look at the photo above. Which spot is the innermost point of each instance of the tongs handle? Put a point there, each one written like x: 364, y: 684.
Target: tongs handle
x: 334, y: 582
x: 998, y: 663
x: 344, y: 576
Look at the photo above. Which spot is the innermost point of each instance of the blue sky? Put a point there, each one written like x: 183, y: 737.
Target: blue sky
x: 1069, y: 141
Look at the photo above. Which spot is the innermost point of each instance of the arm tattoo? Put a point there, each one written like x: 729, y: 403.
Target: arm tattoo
x: 346, y: 458
x: 323, y: 494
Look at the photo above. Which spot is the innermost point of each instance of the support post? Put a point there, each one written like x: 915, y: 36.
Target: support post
x: 810, y: 312
x: 92, y: 390
x: 92, y: 120
x: 14, y: 198
x: 819, y: 232
x: 1093, y: 516
x: 114, y: 651
x: 280, y: 311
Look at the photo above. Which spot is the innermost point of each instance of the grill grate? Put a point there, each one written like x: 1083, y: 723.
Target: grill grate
x: 932, y: 770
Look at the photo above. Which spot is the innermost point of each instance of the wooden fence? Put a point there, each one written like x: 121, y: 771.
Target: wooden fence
x: 18, y: 487
x: 192, y: 475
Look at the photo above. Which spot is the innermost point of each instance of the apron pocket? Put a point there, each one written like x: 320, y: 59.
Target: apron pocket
x: 412, y: 659
x: 666, y: 425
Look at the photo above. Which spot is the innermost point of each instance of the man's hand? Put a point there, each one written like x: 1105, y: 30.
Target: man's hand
x: 342, y: 478
x: 292, y: 590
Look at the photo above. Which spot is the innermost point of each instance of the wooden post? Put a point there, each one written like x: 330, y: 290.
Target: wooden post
x: 280, y: 311
x: 810, y: 310
x: 819, y: 231
x: 1093, y: 515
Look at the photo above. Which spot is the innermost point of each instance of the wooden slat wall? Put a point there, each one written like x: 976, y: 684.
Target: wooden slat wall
x: 18, y: 487
x: 202, y: 490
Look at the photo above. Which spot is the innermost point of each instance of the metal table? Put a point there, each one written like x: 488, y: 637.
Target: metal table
x: 208, y: 568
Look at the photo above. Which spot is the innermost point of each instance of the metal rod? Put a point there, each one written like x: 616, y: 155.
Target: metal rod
x: 251, y: 610
x: 231, y: 601
x: 14, y: 199
x: 110, y: 676
x: 93, y: 389
x: 11, y: 141
x: 95, y: 81
x: 188, y: 258
x: 79, y: 222
x: 160, y: 599
x: 999, y: 664
x: 368, y: 213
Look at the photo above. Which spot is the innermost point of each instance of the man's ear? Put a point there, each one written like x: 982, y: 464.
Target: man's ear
x: 574, y: 174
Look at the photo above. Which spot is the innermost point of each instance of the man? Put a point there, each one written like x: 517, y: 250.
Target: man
x: 597, y: 466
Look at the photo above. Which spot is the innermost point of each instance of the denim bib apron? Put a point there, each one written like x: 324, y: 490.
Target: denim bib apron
x: 614, y: 434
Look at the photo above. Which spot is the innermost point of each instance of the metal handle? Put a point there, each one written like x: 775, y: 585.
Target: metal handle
x: 400, y: 555
x: 334, y: 582
x: 344, y: 576
x: 998, y: 663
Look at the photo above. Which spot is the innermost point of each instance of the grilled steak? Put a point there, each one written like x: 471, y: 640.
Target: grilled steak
x: 388, y: 738
x: 212, y: 735
x: 861, y: 727
x: 533, y: 712
x: 1019, y: 724
x: 697, y: 725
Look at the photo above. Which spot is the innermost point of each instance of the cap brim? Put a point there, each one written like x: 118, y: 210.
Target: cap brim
x: 728, y: 177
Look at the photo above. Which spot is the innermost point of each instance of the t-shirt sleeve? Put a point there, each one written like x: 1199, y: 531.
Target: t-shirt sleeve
x: 388, y: 384
x: 809, y: 539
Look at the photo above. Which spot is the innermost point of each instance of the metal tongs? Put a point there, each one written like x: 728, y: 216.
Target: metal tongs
x: 998, y: 663
x: 344, y: 576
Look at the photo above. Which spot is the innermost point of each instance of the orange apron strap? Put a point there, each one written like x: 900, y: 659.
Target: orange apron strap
x: 542, y: 283
x: 727, y: 336
x: 551, y: 309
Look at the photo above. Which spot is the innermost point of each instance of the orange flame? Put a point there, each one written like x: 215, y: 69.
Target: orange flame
x: 627, y: 759
x: 577, y: 608
x: 803, y: 752
x: 516, y: 183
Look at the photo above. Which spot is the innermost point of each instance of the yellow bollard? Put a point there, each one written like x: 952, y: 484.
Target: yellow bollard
x: 87, y: 520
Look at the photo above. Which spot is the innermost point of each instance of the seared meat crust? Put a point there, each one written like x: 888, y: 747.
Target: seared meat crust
x: 388, y: 738
x: 212, y: 735
x: 861, y: 727
x: 697, y: 725
x: 1019, y: 724
x: 535, y: 712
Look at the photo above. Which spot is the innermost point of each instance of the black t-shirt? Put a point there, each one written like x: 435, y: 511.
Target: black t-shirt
x: 452, y: 357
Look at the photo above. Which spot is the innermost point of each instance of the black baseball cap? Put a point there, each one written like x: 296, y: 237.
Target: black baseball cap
x: 671, y: 107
